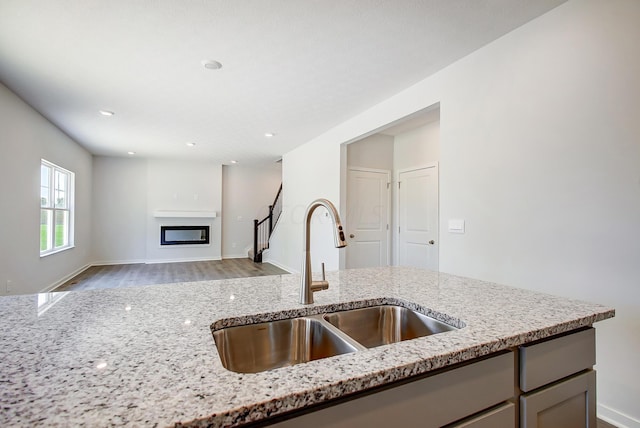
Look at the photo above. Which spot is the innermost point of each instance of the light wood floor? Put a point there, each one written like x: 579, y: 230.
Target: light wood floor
x: 116, y: 276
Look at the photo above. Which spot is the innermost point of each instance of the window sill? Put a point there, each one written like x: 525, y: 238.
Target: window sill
x: 56, y: 251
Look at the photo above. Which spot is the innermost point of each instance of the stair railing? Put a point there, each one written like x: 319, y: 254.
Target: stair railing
x: 262, y: 229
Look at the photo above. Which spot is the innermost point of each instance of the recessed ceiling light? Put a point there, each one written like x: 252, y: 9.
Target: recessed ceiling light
x: 131, y: 153
x: 106, y: 113
x: 234, y: 161
x: 269, y: 134
x: 210, y: 64
x: 191, y: 144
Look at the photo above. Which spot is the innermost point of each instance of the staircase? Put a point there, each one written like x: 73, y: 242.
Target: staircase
x: 262, y: 229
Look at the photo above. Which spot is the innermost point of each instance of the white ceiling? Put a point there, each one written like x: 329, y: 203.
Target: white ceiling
x: 292, y: 67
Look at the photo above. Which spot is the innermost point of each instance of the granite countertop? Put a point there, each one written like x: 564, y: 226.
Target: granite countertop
x: 145, y: 355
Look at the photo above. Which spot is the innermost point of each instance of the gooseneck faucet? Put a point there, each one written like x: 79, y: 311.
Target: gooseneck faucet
x: 308, y: 285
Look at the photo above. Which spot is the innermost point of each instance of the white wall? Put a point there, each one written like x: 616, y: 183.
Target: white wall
x: 417, y: 147
x: 187, y: 186
x: 25, y: 138
x: 127, y: 191
x: 247, y: 193
x: 375, y: 151
x: 540, y: 155
x: 120, y: 205
x: 309, y: 172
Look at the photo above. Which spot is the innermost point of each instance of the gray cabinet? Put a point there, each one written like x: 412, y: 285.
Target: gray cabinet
x: 503, y: 416
x: 433, y: 401
x: 550, y: 385
x: 558, y: 383
x: 567, y: 404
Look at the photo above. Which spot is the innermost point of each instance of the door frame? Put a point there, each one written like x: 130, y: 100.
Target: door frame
x: 389, y: 202
x: 396, y: 211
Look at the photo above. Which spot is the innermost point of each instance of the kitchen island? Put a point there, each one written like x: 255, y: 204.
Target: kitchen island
x: 145, y: 355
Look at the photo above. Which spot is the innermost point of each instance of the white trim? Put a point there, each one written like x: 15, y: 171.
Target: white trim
x: 362, y: 168
x: 69, y: 208
x: 57, y: 250
x: 614, y: 417
x: 66, y: 278
x: 120, y: 262
x: 235, y: 256
x: 188, y: 259
x: 184, y: 214
x: 280, y: 265
x: 344, y: 165
x: 415, y: 168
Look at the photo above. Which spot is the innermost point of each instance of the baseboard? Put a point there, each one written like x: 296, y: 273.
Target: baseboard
x: 235, y: 256
x: 190, y: 259
x: 66, y: 278
x: 280, y: 265
x: 119, y: 262
x: 614, y: 417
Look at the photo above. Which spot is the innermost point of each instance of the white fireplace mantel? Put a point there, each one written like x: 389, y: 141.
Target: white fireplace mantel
x: 184, y: 214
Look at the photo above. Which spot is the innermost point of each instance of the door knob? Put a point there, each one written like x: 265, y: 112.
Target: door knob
x: 352, y: 236
x: 432, y: 242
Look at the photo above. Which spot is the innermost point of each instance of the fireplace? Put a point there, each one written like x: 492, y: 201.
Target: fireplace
x: 184, y: 235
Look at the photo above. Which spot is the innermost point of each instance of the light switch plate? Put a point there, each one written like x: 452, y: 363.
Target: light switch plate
x: 456, y: 225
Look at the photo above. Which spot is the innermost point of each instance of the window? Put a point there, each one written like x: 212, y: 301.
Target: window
x: 56, y: 208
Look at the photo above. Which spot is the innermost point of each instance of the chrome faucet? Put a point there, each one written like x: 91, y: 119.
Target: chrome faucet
x: 308, y: 285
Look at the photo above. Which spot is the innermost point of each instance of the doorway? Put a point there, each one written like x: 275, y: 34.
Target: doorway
x: 410, y: 149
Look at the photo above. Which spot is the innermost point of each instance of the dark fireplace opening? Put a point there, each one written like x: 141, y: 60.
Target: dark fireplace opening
x: 184, y: 235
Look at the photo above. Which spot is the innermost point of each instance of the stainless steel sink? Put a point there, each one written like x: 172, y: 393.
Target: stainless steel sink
x: 258, y: 347
x: 381, y: 325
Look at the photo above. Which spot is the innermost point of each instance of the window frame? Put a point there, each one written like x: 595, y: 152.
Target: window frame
x: 54, y: 210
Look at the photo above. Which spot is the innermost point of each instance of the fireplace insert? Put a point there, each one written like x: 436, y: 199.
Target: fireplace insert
x: 184, y: 235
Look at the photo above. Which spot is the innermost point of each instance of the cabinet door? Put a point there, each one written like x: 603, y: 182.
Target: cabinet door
x: 567, y: 404
x: 503, y: 416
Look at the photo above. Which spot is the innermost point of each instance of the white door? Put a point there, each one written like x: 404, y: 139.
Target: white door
x: 368, y: 198
x: 418, y: 217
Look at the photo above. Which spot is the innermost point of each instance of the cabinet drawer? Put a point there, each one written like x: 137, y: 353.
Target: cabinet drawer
x: 426, y: 403
x: 570, y: 403
x: 545, y: 362
x: 503, y: 416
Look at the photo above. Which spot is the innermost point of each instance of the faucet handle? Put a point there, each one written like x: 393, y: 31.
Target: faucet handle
x: 323, y: 276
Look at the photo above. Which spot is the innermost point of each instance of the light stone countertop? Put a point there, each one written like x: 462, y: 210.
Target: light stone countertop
x: 145, y: 356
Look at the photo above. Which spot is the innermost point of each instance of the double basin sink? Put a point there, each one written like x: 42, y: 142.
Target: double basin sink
x: 258, y: 347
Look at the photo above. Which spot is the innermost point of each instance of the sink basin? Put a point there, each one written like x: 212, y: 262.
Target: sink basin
x: 254, y: 348
x: 381, y: 325
x: 258, y: 347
